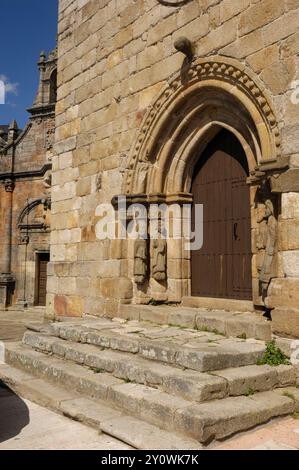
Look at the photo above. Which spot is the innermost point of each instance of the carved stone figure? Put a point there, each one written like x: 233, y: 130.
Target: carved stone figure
x: 159, y: 260
x: 142, y: 178
x: 266, y: 245
x: 140, y: 261
x: 47, y: 180
x: 99, y: 181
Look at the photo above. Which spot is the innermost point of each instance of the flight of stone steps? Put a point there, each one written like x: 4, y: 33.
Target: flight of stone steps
x: 172, y: 379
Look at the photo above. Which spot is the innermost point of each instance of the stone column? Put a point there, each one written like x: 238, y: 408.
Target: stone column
x: 22, y: 256
x: 6, y: 279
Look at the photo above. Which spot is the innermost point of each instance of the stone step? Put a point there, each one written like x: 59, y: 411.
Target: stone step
x: 229, y: 323
x: 223, y: 418
x: 187, y: 348
x: 194, y: 386
x: 204, y: 422
x: 210, y: 303
x: 97, y: 414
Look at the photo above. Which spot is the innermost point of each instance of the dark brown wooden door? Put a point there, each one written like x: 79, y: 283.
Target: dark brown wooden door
x: 222, y: 268
x: 43, y: 259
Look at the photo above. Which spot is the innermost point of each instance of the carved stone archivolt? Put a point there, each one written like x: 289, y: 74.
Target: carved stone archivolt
x: 219, y: 92
x: 35, y: 216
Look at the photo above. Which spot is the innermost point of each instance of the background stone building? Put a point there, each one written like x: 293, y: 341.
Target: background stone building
x: 209, y: 118
x: 25, y: 181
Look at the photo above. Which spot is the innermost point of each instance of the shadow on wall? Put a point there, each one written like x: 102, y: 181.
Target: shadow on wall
x: 14, y: 414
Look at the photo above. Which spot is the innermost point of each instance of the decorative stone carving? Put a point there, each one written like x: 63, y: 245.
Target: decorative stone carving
x: 99, y: 181
x: 9, y: 185
x: 23, y: 239
x: 50, y: 138
x: 159, y: 265
x: 173, y: 3
x: 142, y: 178
x: 140, y: 261
x: 35, y: 216
x: 184, y: 45
x: 266, y: 244
x: 47, y: 180
x: 221, y: 72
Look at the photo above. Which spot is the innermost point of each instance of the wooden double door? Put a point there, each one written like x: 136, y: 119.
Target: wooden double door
x: 222, y: 267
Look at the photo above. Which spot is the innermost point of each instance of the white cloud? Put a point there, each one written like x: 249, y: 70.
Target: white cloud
x: 9, y: 86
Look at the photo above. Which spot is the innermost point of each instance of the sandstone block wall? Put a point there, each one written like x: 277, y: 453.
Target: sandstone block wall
x: 114, y: 58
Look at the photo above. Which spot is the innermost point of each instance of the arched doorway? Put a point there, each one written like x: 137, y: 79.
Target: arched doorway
x: 179, y: 128
x: 222, y: 267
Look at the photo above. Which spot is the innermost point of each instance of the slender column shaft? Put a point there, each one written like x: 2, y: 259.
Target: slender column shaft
x: 9, y: 187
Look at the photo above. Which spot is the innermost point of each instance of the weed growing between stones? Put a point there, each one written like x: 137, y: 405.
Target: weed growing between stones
x: 96, y: 370
x: 209, y: 330
x: 289, y: 395
x: 242, y: 336
x: 249, y: 392
x: 273, y: 356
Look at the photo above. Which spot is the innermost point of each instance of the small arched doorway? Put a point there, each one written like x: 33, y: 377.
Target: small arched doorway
x: 222, y: 267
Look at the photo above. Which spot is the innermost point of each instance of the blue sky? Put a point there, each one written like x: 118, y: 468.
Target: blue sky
x: 26, y: 28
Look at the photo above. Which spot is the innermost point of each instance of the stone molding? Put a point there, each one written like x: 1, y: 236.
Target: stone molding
x: 222, y: 74
x: 27, y: 174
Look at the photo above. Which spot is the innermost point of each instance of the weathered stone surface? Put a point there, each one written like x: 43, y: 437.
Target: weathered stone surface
x: 149, y: 437
x: 25, y: 190
x: 286, y: 375
x: 152, y: 389
x: 200, y: 387
x: 285, y: 321
x: 231, y: 415
x: 249, y: 379
x: 113, y: 102
x: 86, y: 411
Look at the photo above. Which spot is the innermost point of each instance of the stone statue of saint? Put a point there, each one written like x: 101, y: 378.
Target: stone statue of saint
x: 159, y: 259
x: 266, y: 245
x: 140, y: 261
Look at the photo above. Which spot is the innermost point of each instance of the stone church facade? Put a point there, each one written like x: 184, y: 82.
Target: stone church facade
x: 178, y: 102
x: 25, y: 199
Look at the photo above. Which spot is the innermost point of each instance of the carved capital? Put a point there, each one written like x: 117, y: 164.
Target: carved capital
x: 23, y: 239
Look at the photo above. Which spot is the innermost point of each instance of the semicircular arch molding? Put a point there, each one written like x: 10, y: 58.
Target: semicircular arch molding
x: 218, y: 93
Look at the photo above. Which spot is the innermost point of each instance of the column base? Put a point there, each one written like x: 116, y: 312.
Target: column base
x: 7, y: 286
x: 21, y: 305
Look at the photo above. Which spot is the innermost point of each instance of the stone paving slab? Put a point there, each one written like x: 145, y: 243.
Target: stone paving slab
x: 281, y: 434
x: 204, y: 422
x: 147, y: 437
x: 185, y: 383
x: 229, y: 323
x: 25, y: 425
x: 92, y: 412
x: 13, y: 323
x: 230, y: 415
x: 195, y: 350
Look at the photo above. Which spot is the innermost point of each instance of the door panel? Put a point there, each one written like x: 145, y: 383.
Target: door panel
x: 43, y: 259
x: 222, y: 268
